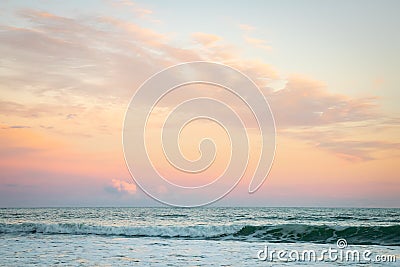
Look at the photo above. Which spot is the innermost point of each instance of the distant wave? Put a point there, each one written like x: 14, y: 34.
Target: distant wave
x: 355, y: 235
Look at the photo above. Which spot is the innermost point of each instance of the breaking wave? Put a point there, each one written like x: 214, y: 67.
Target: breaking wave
x: 355, y: 235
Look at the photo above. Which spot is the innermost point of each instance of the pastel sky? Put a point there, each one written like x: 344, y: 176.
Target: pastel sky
x: 329, y: 70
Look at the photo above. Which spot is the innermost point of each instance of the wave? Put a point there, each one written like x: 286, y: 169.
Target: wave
x: 355, y: 235
x: 197, y: 231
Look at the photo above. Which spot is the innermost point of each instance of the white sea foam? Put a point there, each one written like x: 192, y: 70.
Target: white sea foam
x: 197, y: 231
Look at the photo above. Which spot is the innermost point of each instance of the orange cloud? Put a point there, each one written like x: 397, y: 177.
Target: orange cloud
x: 145, y: 35
x: 205, y: 38
x: 137, y: 10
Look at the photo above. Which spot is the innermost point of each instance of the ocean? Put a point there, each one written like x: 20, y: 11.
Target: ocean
x: 207, y: 236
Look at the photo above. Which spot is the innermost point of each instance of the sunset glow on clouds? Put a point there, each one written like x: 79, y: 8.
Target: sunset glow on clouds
x: 68, y: 73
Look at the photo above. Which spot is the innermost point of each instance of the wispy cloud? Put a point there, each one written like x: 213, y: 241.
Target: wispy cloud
x: 246, y: 27
x: 91, y: 66
x: 205, y: 38
x: 258, y: 43
x: 19, y: 127
x: 136, y: 9
x: 307, y: 102
x: 354, y: 141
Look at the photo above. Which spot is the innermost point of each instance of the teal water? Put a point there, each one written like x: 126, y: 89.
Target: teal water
x: 145, y: 236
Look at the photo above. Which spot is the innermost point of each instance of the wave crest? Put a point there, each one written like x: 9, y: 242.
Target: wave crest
x: 356, y: 235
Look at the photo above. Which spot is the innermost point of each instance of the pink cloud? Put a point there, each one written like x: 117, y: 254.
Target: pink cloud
x: 123, y: 186
x: 75, y: 61
x: 307, y: 102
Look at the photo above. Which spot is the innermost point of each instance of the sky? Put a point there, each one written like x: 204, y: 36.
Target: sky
x: 329, y: 71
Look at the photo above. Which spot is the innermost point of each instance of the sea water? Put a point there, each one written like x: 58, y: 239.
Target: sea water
x: 208, y: 236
